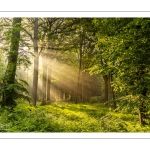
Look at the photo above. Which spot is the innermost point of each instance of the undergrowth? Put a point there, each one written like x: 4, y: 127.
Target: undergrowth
x: 64, y: 117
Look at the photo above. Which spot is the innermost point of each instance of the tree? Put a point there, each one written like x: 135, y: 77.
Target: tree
x: 129, y: 53
x: 84, y: 44
x: 36, y: 62
x: 108, y: 38
x: 134, y: 64
x: 9, y: 79
x: 33, y: 30
x: 56, y: 42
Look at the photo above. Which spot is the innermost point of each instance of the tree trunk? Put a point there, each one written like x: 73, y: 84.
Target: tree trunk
x: 8, y: 98
x: 109, y: 91
x: 80, y: 70
x: 113, y: 93
x: 143, y: 109
x: 106, y: 89
x: 78, y: 87
x: 49, y: 73
x: 83, y: 76
x: 36, y: 63
x: 44, y: 63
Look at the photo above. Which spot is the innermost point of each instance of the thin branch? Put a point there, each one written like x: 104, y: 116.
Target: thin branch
x: 28, y: 33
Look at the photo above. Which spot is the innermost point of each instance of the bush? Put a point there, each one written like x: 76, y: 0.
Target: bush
x: 96, y: 99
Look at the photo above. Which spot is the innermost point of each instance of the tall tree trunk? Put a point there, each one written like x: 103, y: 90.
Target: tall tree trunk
x: 78, y: 86
x: 142, y: 108
x: 109, y: 91
x: 113, y: 93
x: 80, y: 71
x: 106, y: 88
x: 44, y: 63
x: 83, y: 76
x: 49, y: 73
x: 36, y: 63
x: 8, y: 98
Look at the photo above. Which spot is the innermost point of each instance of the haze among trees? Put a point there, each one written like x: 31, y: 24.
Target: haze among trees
x: 75, y: 74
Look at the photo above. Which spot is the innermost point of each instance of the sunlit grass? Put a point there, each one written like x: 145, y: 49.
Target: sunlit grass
x: 67, y: 117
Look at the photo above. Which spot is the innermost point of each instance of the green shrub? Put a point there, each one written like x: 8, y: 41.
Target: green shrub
x: 96, y: 99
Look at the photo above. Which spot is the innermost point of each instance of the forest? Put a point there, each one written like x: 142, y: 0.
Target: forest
x: 74, y: 74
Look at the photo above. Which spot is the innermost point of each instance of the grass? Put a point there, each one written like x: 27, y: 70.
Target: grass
x: 67, y: 117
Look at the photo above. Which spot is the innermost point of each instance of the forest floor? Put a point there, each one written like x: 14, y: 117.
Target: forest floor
x: 68, y: 117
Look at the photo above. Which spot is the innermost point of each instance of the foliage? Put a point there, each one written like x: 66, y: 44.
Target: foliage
x: 20, y: 90
x: 64, y: 117
x: 123, y: 50
x: 96, y: 99
x: 115, y: 49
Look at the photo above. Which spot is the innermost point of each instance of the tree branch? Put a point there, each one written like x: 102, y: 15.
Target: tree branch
x: 28, y: 33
